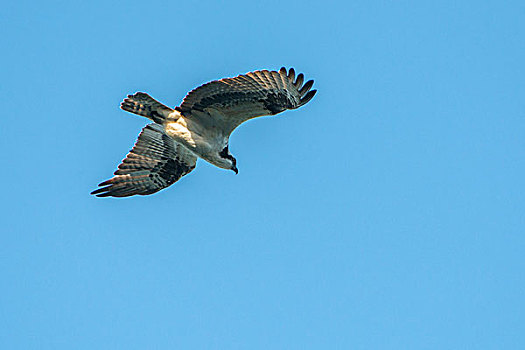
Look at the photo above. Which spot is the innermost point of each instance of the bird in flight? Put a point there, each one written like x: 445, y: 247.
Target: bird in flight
x: 200, y: 127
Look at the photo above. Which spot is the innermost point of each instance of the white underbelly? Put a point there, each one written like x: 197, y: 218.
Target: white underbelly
x: 206, y: 147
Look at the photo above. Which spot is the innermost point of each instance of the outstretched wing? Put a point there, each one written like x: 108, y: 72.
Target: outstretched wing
x: 247, y: 96
x: 154, y: 163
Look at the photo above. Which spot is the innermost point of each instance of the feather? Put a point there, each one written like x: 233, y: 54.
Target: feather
x: 248, y: 96
x: 154, y: 163
x: 306, y: 87
x: 291, y: 74
x: 299, y: 80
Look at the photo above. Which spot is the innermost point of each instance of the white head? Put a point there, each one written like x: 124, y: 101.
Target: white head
x: 228, y: 160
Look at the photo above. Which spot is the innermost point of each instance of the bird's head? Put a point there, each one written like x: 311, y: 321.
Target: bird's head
x: 234, y: 165
x: 229, y: 160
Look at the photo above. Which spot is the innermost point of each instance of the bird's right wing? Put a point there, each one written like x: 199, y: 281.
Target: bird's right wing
x: 248, y: 96
x: 155, y: 162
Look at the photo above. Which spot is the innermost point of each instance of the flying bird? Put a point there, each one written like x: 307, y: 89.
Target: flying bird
x: 200, y: 127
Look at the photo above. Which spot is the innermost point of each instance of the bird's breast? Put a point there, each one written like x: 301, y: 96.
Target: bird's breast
x: 206, y: 142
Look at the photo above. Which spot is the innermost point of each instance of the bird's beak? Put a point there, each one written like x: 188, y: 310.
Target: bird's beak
x: 236, y: 170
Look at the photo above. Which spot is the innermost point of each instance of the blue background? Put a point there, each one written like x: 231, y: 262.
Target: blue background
x: 386, y: 213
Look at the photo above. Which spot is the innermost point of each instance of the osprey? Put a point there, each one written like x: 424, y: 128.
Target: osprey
x: 200, y: 127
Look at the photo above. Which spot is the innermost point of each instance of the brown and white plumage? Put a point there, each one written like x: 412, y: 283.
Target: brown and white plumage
x: 168, y: 149
x: 251, y: 95
x: 154, y: 163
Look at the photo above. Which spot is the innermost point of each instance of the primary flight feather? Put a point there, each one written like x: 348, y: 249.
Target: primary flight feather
x: 200, y: 127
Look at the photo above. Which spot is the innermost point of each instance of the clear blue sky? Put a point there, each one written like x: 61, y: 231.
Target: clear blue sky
x: 388, y: 213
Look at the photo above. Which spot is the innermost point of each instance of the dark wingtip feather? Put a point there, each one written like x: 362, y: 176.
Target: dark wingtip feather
x: 291, y: 74
x: 306, y: 87
x: 98, y: 190
x: 110, y: 191
x: 104, y: 186
x: 105, y: 183
x: 282, y: 71
x: 105, y: 194
x: 308, y: 97
x: 299, y: 80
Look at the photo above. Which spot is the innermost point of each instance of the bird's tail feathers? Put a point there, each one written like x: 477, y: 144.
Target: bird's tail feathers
x: 143, y: 104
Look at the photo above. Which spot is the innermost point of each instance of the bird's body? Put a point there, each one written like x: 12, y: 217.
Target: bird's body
x: 204, y: 138
x: 200, y: 127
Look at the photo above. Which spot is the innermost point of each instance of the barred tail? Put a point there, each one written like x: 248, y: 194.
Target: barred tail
x: 143, y: 104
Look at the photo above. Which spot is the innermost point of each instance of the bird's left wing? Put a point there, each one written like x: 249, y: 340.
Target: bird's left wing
x: 248, y: 96
x: 154, y: 163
